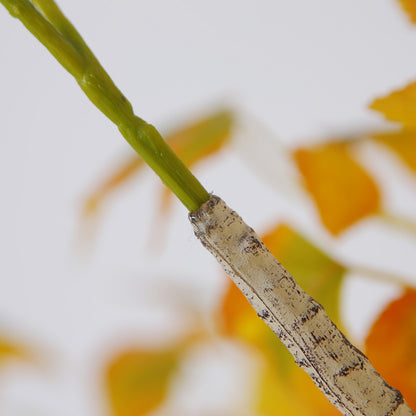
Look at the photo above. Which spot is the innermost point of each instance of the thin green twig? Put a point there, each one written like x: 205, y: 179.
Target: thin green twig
x: 404, y: 224
x: 47, y: 23
x: 382, y: 276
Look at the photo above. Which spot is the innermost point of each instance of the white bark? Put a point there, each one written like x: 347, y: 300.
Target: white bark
x: 340, y: 370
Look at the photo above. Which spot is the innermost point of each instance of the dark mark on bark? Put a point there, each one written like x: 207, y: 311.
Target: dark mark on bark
x: 264, y: 314
x: 318, y: 339
x: 346, y: 370
x: 334, y: 356
x: 398, y: 401
x: 252, y: 245
x: 303, y: 363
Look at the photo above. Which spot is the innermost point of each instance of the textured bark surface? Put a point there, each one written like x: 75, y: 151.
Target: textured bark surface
x: 340, y: 370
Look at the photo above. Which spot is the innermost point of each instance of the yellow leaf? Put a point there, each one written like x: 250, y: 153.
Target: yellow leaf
x: 10, y: 350
x: 403, y: 143
x: 342, y: 190
x: 410, y: 7
x: 291, y: 395
x: 275, y: 396
x: 399, y: 106
x: 192, y: 144
x: 138, y: 380
x: 391, y: 345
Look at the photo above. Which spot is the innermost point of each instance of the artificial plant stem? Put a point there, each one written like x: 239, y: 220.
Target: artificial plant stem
x: 53, y: 14
x: 47, y: 23
x: 57, y: 45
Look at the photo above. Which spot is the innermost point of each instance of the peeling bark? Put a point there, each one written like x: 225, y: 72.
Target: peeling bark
x: 340, y: 370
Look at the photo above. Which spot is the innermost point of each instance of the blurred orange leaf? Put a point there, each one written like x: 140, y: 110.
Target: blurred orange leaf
x: 410, y: 7
x: 192, y: 144
x: 138, y: 380
x: 10, y: 350
x: 125, y: 172
x: 399, y: 106
x: 343, y: 191
x: 202, y: 138
x: 284, y: 388
x: 403, y: 143
x: 391, y: 345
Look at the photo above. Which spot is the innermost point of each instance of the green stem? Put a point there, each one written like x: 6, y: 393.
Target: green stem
x: 400, y: 223
x: 381, y: 276
x: 47, y: 23
x: 53, y: 14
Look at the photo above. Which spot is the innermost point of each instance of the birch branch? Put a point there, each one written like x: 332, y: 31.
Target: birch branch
x: 340, y: 370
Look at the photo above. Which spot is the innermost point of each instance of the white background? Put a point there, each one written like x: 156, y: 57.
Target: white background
x: 303, y: 69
